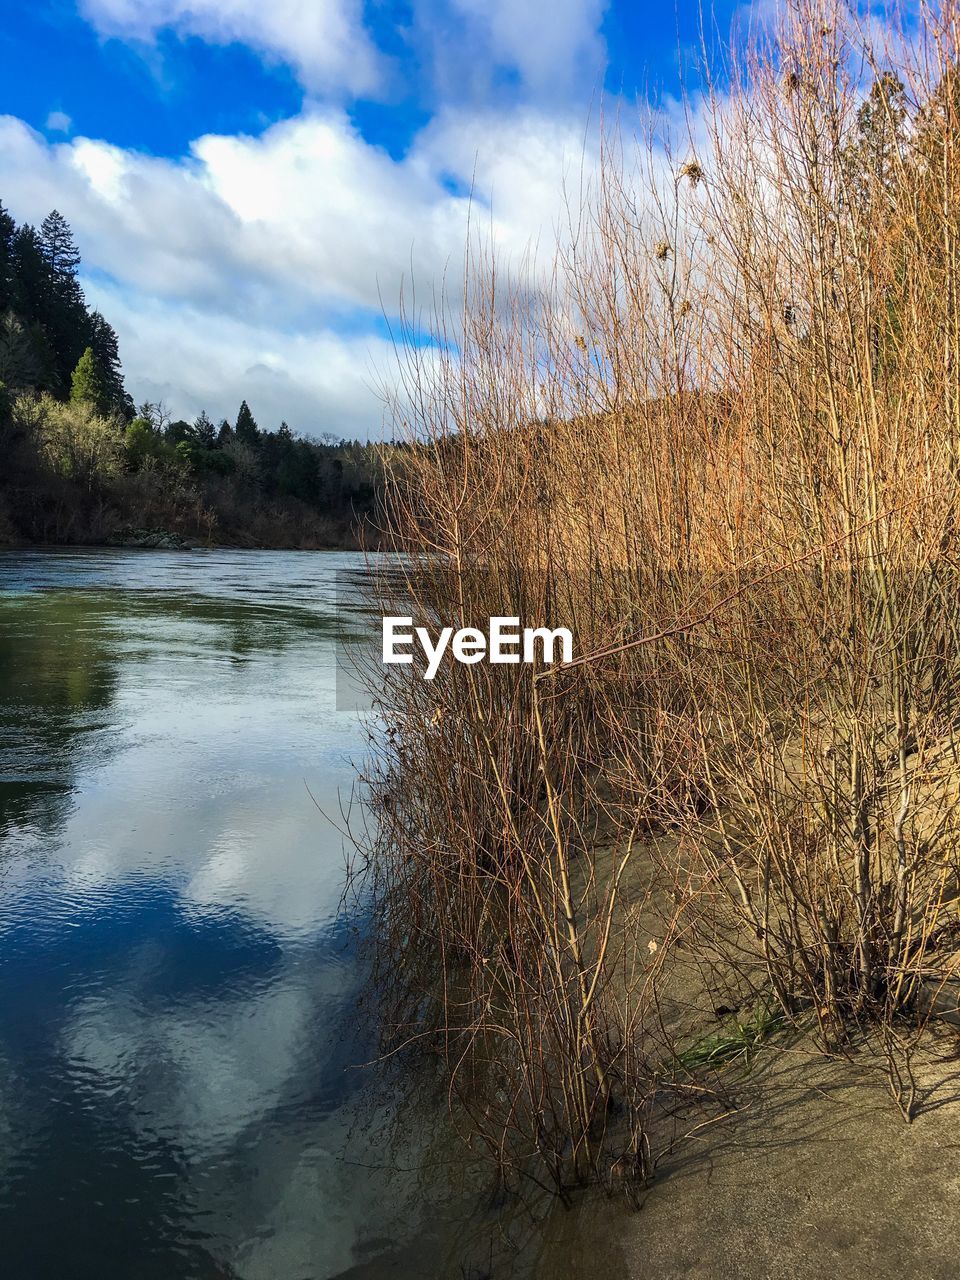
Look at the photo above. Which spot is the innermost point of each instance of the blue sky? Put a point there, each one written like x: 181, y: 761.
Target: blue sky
x: 251, y: 180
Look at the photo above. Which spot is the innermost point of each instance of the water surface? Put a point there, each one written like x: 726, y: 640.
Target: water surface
x: 179, y: 982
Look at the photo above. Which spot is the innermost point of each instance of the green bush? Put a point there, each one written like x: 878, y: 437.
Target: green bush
x: 74, y: 440
x: 142, y: 442
x: 201, y: 460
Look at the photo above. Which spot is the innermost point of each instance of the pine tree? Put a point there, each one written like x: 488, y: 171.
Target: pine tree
x: 154, y: 414
x: 29, y: 296
x: 51, y: 329
x: 59, y: 249
x: 205, y: 431
x: 879, y: 142
x: 106, y: 349
x: 8, y: 229
x: 224, y: 432
x: 19, y: 364
x: 30, y: 281
x: 63, y: 310
x: 246, y: 430
x: 88, y: 385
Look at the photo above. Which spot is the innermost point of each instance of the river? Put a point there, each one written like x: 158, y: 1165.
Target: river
x: 182, y: 1029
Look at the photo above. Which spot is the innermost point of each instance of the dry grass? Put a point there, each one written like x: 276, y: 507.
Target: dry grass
x: 721, y: 445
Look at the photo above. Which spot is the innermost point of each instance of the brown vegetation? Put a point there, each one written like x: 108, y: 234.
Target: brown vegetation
x: 720, y: 444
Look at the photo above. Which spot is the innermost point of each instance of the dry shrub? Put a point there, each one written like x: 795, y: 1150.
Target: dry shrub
x: 719, y: 444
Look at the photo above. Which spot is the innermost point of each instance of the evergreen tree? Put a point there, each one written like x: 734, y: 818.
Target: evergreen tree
x: 63, y: 310
x: 103, y: 340
x: 88, y: 385
x: 19, y: 364
x: 30, y: 281
x: 50, y: 341
x: 246, y: 430
x: 205, y: 431
x: 179, y: 431
x: 879, y: 143
x: 8, y: 229
x: 59, y: 248
x: 29, y: 294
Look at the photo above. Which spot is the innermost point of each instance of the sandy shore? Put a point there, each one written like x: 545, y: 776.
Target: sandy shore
x: 816, y: 1175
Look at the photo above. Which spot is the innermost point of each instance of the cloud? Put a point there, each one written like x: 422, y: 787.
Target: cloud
x: 317, y: 379
x: 59, y: 122
x: 260, y: 267
x: 306, y: 216
x: 322, y: 40
x: 551, y: 55
x: 463, y: 49
x: 520, y: 163
x: 539, y: 45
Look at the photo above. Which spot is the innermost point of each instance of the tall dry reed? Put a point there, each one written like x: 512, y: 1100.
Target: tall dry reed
x: 719, y: 442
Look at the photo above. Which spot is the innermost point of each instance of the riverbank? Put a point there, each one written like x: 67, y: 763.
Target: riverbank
x: 346, y: 538
x: 735, y: 483
x: 802, y: 1161
x: 813, y: 1174
x: 803, y: 1164
x: 72, y: 478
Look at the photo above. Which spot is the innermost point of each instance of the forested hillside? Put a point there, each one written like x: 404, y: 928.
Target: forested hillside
x: 80, y: 463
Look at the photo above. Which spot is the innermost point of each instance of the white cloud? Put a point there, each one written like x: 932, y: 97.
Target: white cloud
x: 519, y: 162
x: 317, y: 380
x: 463, y: 45
x: 308, y: 215
x: 553, y: 48
x: 59, y: 122
x: 322, y: 40
x: 259, y: 266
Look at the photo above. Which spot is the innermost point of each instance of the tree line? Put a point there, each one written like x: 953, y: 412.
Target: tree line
x: 82, y: 462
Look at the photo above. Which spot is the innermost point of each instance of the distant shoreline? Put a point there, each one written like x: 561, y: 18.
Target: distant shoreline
x: 169, y: 540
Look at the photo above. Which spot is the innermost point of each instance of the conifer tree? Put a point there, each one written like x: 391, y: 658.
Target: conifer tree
x: 58, y: 246
x: 106, y: 349
x: 879, y: 143
x: 88, y: 385
x: 29, y: 296
x: 63, y: 312
x: 246, y: 430
x: 30, y: 281
x: 8, y: 229
x: 50, y: 341
x: 19, y: 365
x: 205, y: 431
